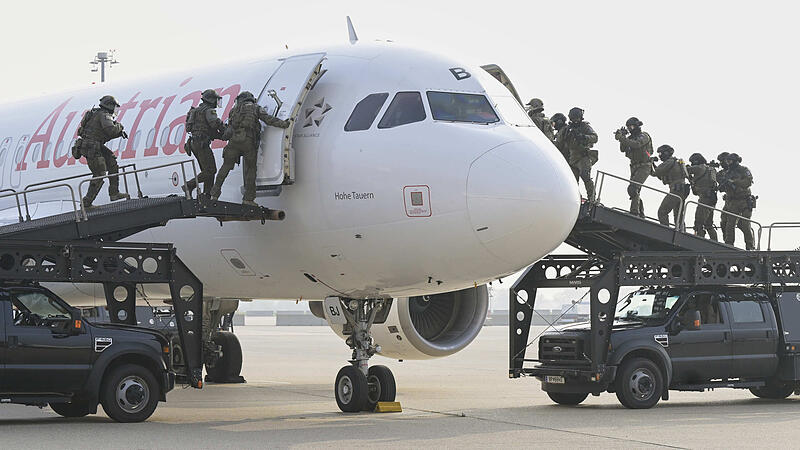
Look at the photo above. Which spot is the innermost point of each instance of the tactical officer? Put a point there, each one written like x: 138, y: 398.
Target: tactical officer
x: 638, y: 147
x: 559, y: 122
x: 722, y: 175
x: 97, y: 127
x: 703, y: 179
x: 578, y: 139
x: 671, y: 172
x: 204, y: 125
x: 245, y: 130
x: 536, y: 113
x: 738, y: 200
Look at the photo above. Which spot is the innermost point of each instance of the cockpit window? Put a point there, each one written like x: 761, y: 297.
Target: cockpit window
x: 365, y: 112
x: 512, y: 111
x: 406, y: 107
x: 454, y: 107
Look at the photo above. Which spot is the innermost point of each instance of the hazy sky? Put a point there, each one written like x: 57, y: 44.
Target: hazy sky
x: 702, y: 76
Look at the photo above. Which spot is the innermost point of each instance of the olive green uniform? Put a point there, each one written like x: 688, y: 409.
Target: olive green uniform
x: 671, y: 172
x: 543, y: 123
x: 95, y: 130
x: 578, y: 139
x: 246, y: 134
x: 703, y: 179
x: 740, y: 201
x: 638, y: 148
x: 206, y: 127
x: 558, y: 141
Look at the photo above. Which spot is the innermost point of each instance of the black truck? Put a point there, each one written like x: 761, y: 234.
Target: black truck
x: 51, y: 355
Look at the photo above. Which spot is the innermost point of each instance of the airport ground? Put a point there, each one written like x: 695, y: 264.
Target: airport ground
x: 465, y: 401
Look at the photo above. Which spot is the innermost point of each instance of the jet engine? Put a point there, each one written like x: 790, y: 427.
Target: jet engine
x: 424, y: 327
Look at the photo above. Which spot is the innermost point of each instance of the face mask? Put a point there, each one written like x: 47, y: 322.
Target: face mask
x: 116, y: 111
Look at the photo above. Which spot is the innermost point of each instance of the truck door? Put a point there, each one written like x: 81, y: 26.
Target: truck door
x: 755, y: 339
x: 5, y: 310
x: 704, y: 354
x: 282, y: 97
x: 39, y: 358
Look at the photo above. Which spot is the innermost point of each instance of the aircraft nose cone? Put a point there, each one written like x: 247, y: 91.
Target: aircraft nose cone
x: 522, y: 200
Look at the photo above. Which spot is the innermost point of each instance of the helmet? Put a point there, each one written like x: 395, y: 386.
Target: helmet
x: 735, y: 157
x: 633, y: 122
x: 245, y: 96
x: 666, y: 149
x: 558, y: 117
x: 575, y: 114
x: 697, y: 159
x: 723, y: 155
x: 108, y: 103
x: 536, y: 103
x: 211, y: 96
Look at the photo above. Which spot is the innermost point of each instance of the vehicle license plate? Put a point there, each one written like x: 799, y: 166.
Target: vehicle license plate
x: 554, y: 379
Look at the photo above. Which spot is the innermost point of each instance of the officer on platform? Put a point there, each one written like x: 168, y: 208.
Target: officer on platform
x: 578, y: 140
x: 738, y: 200
x: 245, y: 134
x: 204, y: 125
x: 671, y: 172
x: 559, y: 122
x: 536, y: 113
x: 638, y: 147
x: 703, y: 179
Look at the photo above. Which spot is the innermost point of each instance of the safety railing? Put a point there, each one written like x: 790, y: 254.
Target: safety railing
x: 730, y: 215
x: 24, y: 195
x: 123, y: 173
x: 779, y: 225
x: 182, y: 165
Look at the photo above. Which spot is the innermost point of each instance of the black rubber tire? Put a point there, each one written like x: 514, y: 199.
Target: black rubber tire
x: 772, y: 391
x: 108, y: 393
x: 381, y: 387
x: 78, y: 408
x: 229, y: 366
x: 568, y: 398
x: 647, y: 376
x: 354, y: 397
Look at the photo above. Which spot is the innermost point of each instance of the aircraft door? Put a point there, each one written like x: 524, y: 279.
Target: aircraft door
x: 498, y: 73
x: 282, y: 97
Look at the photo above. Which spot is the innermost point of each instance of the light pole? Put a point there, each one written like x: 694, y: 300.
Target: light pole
x: 101, y: 59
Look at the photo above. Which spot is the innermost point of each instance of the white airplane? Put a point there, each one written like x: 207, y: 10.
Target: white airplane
x: 409, y: 181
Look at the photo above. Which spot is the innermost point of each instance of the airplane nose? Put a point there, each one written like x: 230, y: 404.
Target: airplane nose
x: 522, y: 200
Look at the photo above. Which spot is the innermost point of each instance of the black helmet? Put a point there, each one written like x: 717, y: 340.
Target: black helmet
x: 536, y: 103
x: 633, y: 122
x: 211, y: 96
x: 665, y: 149
x: 108, y: 103
x: 575, y: 114
x: 722, y: 156
x: 697, y: 159
x: 246, y: 96
x: 558, y: 117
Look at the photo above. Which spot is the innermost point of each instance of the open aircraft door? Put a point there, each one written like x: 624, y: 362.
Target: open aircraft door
x: 497, y: 72
x: 282, y: 96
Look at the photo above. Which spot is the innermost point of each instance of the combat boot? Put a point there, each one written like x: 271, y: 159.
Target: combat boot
x: 86, y: 203
x: 249, y: 203
x: 118, y: 196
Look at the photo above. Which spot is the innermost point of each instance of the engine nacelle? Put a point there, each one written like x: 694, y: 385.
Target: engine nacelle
x: 426, y: 327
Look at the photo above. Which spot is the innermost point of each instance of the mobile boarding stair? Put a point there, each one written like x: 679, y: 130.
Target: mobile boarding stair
x: 81, y: 246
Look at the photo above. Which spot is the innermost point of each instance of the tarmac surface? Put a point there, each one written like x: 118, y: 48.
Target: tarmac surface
x: 464, y: 401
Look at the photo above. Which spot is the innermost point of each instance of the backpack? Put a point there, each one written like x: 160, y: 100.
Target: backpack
x: 190, y: 117
x: 87, y: 116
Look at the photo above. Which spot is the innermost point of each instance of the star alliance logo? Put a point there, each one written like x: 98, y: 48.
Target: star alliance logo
x: 314, y: 115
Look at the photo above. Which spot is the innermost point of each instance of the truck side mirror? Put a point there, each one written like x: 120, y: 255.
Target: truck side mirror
x: 696, y: 321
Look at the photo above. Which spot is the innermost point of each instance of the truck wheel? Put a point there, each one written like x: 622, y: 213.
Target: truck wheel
x: 567, y: 398
x: 78, y: 408
x: 381, y: 387
x: 772, y: 391
x: 229, y: 366
x: 350, y: 389
x: 639, y: 383
x: 129, y: 393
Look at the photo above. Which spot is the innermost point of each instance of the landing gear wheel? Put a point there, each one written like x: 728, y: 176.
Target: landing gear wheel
x: 350, y: 389
x: 129, y: 393
x: 567, y: 398
x: 772, y: 391
x: 78, y: 408
x: 381, y: 387
x: 227, y: 369
x: 639, y: 383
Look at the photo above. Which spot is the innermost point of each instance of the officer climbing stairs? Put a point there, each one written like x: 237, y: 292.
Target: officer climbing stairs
x: 81, y: 246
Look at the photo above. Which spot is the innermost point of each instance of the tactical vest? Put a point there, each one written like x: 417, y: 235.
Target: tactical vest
x: 91, y: 129
x: 736, y: 173
x: 244, y: 118
x: 640, y: 156
x: 200, y: 126
x: 705, y: 180
x: 675, y: 173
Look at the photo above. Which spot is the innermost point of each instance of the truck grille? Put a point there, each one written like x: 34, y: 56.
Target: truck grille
x: 561, y: 349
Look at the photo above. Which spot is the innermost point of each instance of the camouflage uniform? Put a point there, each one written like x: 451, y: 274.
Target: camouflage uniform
x: 246, y: 133
x: 559, y: 122
x: 638, y: 147
x: 536, y: 113
x: 703, y: 179
x: 671, y: 172
x: 98, y: 127
x: 205, y: 128
x: 740, y: 201
x: 578, y: 139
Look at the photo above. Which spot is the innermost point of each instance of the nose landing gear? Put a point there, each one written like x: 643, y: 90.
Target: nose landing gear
x: 359, y: 387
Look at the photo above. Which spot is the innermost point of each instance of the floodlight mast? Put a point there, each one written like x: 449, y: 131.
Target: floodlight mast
x: 100, y: 61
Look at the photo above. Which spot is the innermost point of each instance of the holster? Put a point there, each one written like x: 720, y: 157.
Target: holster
x: 76, y: 148
x: 188, y: 146
x: 751, y: 201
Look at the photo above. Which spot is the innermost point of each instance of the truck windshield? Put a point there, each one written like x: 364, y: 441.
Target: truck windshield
x: 646, y: 306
